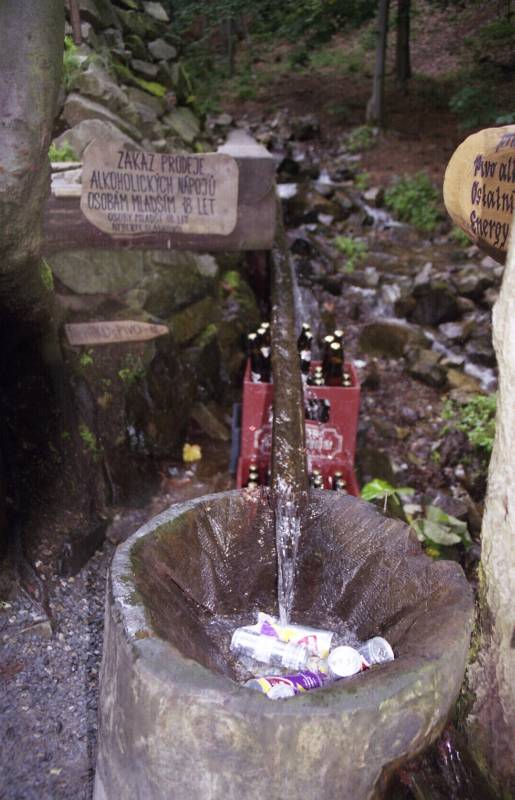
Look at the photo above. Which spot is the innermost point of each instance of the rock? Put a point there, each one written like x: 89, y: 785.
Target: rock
x: 464, y: 384
x: 209, y: 424
x: 480, y: 351
x: 99, y: 12
x: 446, y: 502
x: 137, y: 46
x: 145, y: 68
x: 203, y: 359
x: 434, y: 303
x: 78, y: 108
x: 389, y: 337
x: 192, y: 320
x: 142, y: 25
x: 472, y: 281
x: 184, y: 123
x: 86, y: 131
x: 426, y: 369
x: 491, y: 296
x: 162, y: 51
x: 305, y: 127
x: 423, y: 278
x: 457, y: 331
x: 374, y: 196
x: 96, y: 83
x: 98, y: 271
x: 145, y: 107
x: 181, y: 279
x: 157, y: 11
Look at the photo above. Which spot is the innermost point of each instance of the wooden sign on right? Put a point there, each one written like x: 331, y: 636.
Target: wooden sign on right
x: 479, y: 188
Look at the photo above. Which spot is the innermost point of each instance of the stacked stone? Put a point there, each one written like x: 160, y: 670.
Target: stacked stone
x: 130, y: 84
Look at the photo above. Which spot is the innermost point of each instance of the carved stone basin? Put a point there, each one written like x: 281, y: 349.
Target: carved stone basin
x: 175, y: 725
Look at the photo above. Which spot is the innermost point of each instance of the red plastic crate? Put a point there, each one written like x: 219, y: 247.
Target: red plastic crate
x: 330, y: 445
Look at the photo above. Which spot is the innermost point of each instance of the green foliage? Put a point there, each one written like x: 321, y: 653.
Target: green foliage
x: 414, y: 199
x: 474, y: 106
x: 436, y: 529
x: 47, y: 276
x: 362, y: 138
x: 132, y: 370
x: 86, y: 358
x: 476, y: 419
x: 152, y: 87
x: 362, y: 181
x: 459, y: 237
x: 90, y: 441
x: 71, y: 62
x: 63, y: 153
x: 353, y: 249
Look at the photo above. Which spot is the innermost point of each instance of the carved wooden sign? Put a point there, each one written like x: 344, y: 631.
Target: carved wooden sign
x: 129, y: 192
x: 109, y: 332
x: 479, y: 188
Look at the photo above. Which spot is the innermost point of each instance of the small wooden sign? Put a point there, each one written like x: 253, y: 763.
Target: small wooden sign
x: 479, y: 188
x: 109, y: 332
x: 129, y: 192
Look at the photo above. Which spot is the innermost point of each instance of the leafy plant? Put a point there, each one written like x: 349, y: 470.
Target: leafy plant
x: 459, y: 237
x: 474, y: 106
x: 361, y: 138
x: 86, y: 358
x: 413, y: 198
x: 71, y: 62
x: 63, y: 153
x: 377, y: 489
x: 476, y: 419
x: 436, y: 529
x: 132, y: 370
x: 90, y: 440
x: 47, y: 276
x: 362, y: 181
x: 353, y: 249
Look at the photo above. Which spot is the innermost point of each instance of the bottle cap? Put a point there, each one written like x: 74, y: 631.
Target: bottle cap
x: 344, y: 661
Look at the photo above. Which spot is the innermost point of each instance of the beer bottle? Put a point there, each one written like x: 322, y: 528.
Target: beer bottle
x: 302, y: 340
x: 255, y: 357
x: 305, y: 354
x: 341, y: 486
x: 253, y: 473
x: 333, y: 365
x: 324, y: 408
x: 265, y: 328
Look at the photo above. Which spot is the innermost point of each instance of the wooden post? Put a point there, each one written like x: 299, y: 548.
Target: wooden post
x: 375, y: 107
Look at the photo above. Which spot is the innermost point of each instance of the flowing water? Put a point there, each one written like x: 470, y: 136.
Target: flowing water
x: 287, y: 535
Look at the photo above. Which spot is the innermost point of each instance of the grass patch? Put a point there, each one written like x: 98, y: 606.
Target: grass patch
x: 476, y: 419
x: 354, y: 251
x: 361, y: 138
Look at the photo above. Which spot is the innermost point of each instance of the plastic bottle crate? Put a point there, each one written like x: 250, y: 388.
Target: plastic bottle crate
x: 331, y: 445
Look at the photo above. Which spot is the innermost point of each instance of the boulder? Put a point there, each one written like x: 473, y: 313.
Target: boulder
x: 86, y: 131
x: 96, y: 83
x: 143, y: 25
x: 434, y: 302
x: 98, y: 271
x: 192, y: 320
x: 100, y: 13
x: 458, y: 331
x: 184, y: 123
x: 463, y: 384
x: 179, y: 279
x: 137, y: 46
x: 144, y: 107
x: 162, y: 51
x: 390, y: 337
x: 145, y: 68
x: 472, y: 281
x: 305, y: 127
x: 203, y: 359
x: 78, y: 108
x: 156, y: 11
x: 426, y: 368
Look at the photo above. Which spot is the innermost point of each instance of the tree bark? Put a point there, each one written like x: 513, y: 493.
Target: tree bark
x: 375, y: 107
x: 491, y: 678
x: 402, y: 55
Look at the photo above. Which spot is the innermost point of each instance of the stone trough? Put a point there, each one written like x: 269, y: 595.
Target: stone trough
x: 174, y: 721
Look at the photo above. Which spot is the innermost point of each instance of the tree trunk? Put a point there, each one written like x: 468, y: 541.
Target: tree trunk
x: 402, y: 55
x: 229, y: 34
x: 375, y: 107
x: 491, y: 678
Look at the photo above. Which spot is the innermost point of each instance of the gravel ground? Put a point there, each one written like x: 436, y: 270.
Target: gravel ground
x: 48, y: 688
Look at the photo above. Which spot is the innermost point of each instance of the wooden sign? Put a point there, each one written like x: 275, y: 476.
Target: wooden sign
x: 109, y: 332
x: 128, y: 192
x: 479, y: 188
